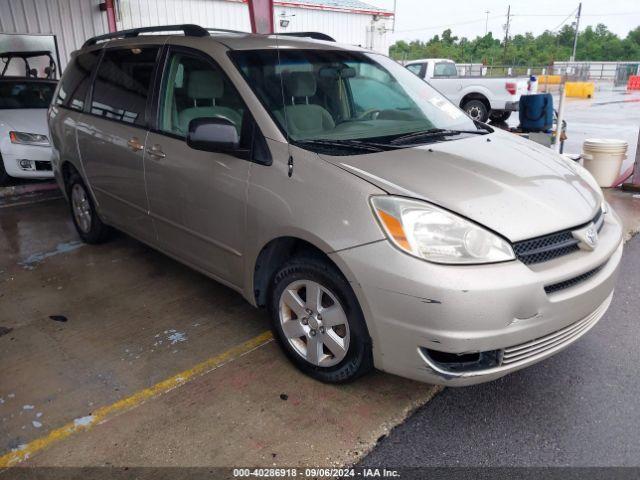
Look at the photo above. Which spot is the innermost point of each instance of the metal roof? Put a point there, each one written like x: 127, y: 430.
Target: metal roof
x: 355, y: 6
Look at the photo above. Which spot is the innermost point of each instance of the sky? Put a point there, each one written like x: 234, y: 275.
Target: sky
x: 422, y: 19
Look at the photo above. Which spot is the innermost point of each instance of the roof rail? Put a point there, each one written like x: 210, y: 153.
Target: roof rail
x: 26, y: 54
x: 314, y: 35
x: 189, y: 30
x: 224, y: 30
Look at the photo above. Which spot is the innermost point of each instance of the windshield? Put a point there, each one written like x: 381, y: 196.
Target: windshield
x: 21, y: 94
x: 335, y: 95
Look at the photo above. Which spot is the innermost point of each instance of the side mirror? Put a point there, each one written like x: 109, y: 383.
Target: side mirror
x: 213, y: 134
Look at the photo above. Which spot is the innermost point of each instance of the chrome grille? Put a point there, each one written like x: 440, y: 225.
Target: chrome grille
x: 548, y: 247
x: 554, y: 340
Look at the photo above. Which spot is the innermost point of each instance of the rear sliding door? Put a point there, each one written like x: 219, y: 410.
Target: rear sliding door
x: 111, y: 140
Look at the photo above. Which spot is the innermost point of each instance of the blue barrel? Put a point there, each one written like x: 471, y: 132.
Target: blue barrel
x: 536, y: 112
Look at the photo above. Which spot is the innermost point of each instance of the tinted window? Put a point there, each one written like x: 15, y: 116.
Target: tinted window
x: 122, y: 84
x: 445, y: 69
x: 25, y: 94
x: 75, y: 81
x: 196, y: 88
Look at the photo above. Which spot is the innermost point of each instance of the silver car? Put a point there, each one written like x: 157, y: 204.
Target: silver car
x: 376, y: 223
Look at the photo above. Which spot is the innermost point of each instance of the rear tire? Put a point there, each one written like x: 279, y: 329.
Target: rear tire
x: 477, y: 110
x: 327, y: 338
x: 499, y: 115
x: 83, y: 212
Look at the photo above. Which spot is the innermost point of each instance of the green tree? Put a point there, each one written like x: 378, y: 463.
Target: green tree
x: 595, y: 44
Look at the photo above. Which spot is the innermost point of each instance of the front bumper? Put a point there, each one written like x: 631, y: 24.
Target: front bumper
x: 38, y: 157
x: 413, y: 307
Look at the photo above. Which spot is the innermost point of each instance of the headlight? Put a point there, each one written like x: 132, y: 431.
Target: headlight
x: 24, y: 138
x: 434, y: 234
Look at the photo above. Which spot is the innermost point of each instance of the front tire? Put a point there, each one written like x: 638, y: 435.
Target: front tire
x: 477, y: 110
x: 318, y: 322
x: 83, y: 212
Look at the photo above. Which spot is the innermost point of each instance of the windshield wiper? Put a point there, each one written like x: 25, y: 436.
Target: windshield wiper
x: 350, y: 144
x: 433, y: 132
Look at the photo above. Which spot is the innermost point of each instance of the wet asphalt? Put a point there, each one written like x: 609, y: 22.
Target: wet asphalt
x: 578, y: 408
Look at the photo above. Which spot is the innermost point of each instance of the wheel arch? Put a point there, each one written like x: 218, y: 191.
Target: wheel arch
x: 67, y: 169
x: 476, y: 96
x: 273, y: 255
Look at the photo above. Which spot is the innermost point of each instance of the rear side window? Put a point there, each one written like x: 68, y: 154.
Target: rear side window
x: 445, y: 69
x: 122, y: 84
x: 75, y: 82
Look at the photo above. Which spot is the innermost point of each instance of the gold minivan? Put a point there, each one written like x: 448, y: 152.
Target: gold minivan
x: 375, y: 221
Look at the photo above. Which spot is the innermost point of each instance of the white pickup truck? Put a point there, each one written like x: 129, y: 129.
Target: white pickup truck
x: 482, y: 98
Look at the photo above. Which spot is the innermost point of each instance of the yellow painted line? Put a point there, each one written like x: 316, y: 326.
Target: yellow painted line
x: 103, y: 414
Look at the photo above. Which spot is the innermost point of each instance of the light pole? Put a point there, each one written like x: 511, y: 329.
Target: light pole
x: 486, y: 23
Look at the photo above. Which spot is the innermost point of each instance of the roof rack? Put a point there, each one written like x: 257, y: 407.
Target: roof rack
x: 314, y: 35
x: 224, y: 30
x: 7, y: 57
x: 24, y: 54
x: 189, y: 30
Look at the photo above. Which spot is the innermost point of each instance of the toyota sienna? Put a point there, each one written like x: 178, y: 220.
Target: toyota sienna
x: 375, y: 221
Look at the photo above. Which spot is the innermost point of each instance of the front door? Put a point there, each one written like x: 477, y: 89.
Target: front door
x: 197, y: 199
x: 111, y: 138
x: 446, y: 80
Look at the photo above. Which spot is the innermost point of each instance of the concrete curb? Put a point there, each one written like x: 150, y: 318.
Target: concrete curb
x: 18, y: 190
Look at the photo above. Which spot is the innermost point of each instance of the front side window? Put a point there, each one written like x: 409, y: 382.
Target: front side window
x: 122, y: 84
x: 15, y: 94
x: 75, y: 82
x: 195, y: 88
x: 334, y: 95
x: 445, y: 69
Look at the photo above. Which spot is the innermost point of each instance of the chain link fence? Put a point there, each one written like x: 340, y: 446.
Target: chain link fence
x: 616, y: 72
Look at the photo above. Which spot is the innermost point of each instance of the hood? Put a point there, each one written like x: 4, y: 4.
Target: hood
x: 30, y: 120
x: 513, y: 186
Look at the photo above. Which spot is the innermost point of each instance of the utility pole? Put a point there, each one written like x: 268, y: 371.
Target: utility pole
x: 486, y: 23
x: 393, y: 28
x: 575, y: 38
x: 506, y: 30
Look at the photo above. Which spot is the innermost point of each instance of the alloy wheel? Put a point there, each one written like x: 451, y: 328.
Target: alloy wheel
x: 314, y: 323
x: 81, y: 208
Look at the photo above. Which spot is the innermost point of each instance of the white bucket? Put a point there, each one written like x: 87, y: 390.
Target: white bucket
x: 603, y: 158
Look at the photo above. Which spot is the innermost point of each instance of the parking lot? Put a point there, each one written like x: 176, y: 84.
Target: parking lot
x: 611, y: 113
x: 89, y: 335
x: 578, y: 409
x: 117, y: 355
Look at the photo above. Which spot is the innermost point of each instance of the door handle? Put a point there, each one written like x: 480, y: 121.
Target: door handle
x: 156, y: 151
x: 134, y: 144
